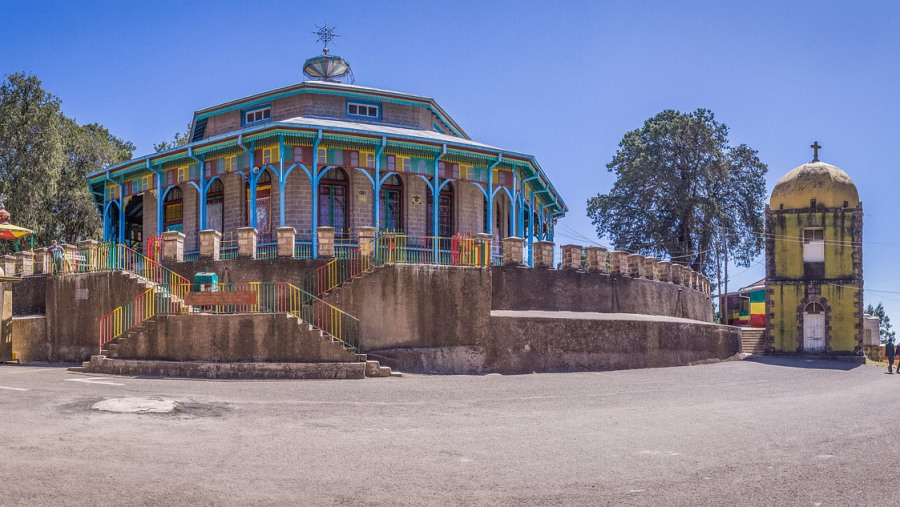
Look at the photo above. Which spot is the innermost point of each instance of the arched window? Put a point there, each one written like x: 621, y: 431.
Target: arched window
x: 173, y: 210
x: 334, y: 209
x: 215, y: 199
x: 263, y: 207
x: 445, y: 213
x: 390, y: 210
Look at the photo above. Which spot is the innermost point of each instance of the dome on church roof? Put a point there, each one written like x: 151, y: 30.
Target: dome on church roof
x: 828, y: 185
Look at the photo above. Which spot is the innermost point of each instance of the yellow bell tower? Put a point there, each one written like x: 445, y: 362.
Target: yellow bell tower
x: 814, y: 280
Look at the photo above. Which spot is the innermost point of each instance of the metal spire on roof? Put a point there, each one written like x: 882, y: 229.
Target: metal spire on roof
x: 325, y: 35
x: 327, y: 67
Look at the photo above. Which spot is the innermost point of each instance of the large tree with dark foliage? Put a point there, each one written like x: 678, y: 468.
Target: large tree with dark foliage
x: 679, y: 186
x: 44, y: 158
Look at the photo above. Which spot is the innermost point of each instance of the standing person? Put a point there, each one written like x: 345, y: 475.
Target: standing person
x: 898, y: 353
x: 889, y: 352
x: 56, y: 255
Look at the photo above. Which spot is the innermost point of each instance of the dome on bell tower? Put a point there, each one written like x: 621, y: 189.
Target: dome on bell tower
x: 828, y: 185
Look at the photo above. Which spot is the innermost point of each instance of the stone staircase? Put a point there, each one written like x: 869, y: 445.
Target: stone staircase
x: 125, y: 348
x: 753, y: 340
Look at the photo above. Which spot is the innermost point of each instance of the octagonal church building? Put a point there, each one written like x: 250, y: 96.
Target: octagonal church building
x: 814, y: 278
x: 322, y: 154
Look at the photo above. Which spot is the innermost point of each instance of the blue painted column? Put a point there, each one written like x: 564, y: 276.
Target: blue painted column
x: 204, y: 188
x: 254, y: 176
x: 314, y: 183
x: 105, y: 213
x: 121, y: 216
x: 159, y: 202
x: 281, y: 181
x: 376, y: 187
x: 531, y: 232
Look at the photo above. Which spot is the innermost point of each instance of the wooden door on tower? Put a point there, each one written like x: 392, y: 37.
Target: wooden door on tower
x: 814, y: 328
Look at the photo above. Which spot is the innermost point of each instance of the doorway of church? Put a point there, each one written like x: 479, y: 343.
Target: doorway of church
x: 814, y: 328
x: 134, y: 223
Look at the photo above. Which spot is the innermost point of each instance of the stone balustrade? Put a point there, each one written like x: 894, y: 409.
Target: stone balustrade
x: 210, y: 244
x: 286, y: 237
x: 247, y: 237
x: 618, y: 262
x: 543, y: 254
x: 648, y: 268
x: 596, y: 259
x: 366, y: 237
x: 325, y: 236
x: 173, y: 246
x: 664, y: 271
x: 513, y: 249
x: 634, y: 265
x: 41, y: 261
x: 571, y: 256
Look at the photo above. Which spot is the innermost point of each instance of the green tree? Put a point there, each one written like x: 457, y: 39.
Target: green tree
x: 884, y: 324
x: 679, y: 186
x: 86, y: 148
x: 180, y: 139
x: 30, y: 153
x: 44, y: 158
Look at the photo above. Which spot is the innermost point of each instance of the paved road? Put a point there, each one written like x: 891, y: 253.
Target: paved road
x: 748, y: 433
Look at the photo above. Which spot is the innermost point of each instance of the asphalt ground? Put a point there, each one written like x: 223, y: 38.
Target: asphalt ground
x: 771, y: 432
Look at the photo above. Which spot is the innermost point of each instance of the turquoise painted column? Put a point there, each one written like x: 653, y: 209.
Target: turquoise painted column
x: 281, y: 180
x: 121, y: 216
x: 314, y: 183
x: 376, y: 187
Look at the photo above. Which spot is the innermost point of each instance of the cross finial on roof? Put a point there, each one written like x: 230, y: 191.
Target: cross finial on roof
x: 326, y: 35
x: 815, y: 146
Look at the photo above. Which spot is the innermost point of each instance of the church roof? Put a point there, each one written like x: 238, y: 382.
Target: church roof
x: 331, y: 88
x: 827, y: 184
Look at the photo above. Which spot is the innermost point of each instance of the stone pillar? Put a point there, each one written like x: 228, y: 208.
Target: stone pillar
x: 691, y: 279
x: 210, y: 244
x: 676, y: 275
x: 634, y: 265
x: 287, y: 237
x: 366, y: 238
x: 596, y: 259
x: 571, y: 256
x: 543, y: 254
x: 512, y: 251
x: 41, y: 261
x: 8, y: 263
x: 618, y: 262
x: 173, y: 246
x: 649, y: 268
x: 326, y: 241
x: 247, y: 242
x: 25, y: 263
x: 664, y: 271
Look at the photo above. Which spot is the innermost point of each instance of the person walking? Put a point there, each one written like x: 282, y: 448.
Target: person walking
x: 889, y: 351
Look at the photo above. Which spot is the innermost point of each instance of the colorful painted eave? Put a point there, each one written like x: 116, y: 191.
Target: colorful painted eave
x: 432, y: 142
x: 329, y: 88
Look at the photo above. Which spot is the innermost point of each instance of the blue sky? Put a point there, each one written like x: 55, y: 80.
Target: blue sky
x: 562, y: 80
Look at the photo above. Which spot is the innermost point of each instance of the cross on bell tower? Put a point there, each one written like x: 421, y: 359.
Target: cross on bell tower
x: 815, y: 146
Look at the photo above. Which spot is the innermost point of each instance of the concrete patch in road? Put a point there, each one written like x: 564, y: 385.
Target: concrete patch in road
x: 137, y: 405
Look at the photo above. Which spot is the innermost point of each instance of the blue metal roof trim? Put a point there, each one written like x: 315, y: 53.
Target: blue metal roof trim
x: 460, y: 146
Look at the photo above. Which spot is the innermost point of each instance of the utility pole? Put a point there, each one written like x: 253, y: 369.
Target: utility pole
x: 725, y: 251
x: 719, y: 282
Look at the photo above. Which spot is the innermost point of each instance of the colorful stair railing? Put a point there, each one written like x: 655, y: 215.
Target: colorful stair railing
x: 271, y: 298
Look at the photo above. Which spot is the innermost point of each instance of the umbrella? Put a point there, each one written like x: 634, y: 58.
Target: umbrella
x: 9, y: 231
